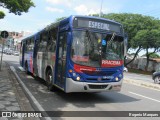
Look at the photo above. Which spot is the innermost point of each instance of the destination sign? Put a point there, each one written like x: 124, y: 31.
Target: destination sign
x: 97, y: 24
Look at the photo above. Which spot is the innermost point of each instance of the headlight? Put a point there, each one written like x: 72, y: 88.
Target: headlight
x: 78, y: 78
x: 116, y: 78
x: 74, y: 75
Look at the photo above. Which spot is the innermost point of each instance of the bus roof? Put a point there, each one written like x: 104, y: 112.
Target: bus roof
x: 69, y: 20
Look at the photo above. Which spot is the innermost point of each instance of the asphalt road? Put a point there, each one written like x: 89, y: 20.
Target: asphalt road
x: 131, y: 97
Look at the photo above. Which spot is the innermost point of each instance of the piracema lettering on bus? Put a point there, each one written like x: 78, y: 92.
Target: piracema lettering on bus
x: 110, y: 62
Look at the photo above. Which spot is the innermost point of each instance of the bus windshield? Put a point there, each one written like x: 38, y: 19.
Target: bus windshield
x: 91, y: 48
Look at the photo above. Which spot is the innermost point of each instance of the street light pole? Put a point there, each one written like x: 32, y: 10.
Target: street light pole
x: 100, y: 12
x: 2, y: 53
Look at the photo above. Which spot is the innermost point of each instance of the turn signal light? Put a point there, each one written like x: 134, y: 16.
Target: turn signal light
x: 70, y: 71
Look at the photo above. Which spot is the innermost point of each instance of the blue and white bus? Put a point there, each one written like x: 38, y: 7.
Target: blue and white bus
x: 77, y: 54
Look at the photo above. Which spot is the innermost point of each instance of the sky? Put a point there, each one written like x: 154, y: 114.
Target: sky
x: 47, y: 11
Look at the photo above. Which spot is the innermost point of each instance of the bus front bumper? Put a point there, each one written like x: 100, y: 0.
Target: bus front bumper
x: 75, y: 86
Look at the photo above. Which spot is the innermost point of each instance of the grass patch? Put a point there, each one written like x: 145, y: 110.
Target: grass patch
x: 139, y: 71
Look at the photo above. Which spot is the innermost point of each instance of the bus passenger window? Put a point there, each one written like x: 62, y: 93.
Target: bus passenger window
x: 43, y: 42
x: 51, y: 47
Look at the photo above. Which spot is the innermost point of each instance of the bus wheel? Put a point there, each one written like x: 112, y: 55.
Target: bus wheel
x: 49, y: 80
x: 26, y: 68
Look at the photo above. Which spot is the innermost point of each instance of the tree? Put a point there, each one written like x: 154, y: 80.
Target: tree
x: 2, y: 15
x: 148, y: 39
x: 15, y: 6
x: 143, y: 31
x: 59, y: 19
x: 0, y: 40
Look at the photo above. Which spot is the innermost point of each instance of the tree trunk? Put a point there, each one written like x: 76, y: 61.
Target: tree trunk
x: 147, y: 63
x: 148, y: 56
x: 139, y: 49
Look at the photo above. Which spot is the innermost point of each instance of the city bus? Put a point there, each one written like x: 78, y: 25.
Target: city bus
x: 77, y: 54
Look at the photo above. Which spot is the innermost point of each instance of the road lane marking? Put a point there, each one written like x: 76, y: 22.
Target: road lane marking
x: 29, y: 93
x: 144, y: 97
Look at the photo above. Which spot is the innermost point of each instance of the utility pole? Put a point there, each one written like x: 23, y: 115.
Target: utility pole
x: 100, y: 12
x: 2, y: 53
x: 4, y: 34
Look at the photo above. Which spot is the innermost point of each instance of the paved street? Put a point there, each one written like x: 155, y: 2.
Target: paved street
x: 131, y: 97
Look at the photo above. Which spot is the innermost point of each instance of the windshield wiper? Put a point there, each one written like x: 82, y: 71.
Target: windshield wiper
x: 113, y: 36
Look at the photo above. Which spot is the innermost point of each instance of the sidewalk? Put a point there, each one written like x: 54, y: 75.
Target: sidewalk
x: 142, y: 83
x: 12, y: 97
x: 8, y: 101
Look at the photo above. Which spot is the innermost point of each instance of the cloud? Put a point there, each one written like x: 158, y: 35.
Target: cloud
x: 54, y: 1
x: 51, y: 9
x: 61, y: 2
x: 4, y: 10
x: 6, y: 25
x: 84, y: 10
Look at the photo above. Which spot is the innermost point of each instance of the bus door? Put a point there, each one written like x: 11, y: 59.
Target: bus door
x: 35, y: 72
x: 41, y: 54
x: 61, y: 66
x: 23, y: 51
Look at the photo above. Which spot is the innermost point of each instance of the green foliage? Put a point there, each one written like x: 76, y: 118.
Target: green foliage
x: 133, y: 23
x: 153, y: 55
x: 147, y: 39
x: 16, y: 6
x: 2, y: 15
x: 59, y: 19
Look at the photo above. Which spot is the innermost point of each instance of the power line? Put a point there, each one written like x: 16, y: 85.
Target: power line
x: 151, y: 11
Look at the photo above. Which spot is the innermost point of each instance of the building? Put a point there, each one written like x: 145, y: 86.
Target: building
x: 13, y: 39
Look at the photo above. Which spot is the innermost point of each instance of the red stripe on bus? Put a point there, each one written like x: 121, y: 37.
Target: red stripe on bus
x: 81, y: 69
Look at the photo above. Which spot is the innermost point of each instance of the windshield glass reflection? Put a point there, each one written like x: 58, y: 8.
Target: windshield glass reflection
x: 90, y: 48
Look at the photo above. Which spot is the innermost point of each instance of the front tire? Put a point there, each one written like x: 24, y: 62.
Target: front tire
x: 157, y: 80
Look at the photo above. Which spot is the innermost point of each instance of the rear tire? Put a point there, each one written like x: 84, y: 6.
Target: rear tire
x: 49, y: 78
x: 157, y: 80
x: 26, y: 68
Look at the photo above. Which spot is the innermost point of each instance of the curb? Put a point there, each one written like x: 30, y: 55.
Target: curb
x: 142, y: 83
x: 34, y: 102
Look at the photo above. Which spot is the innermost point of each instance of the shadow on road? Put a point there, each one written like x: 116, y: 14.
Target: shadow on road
x: 58, y: 100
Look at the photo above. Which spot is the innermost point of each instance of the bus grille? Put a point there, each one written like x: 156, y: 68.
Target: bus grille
x: 97, y: 86
x: 97, y: 79
x: 100, y: 73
